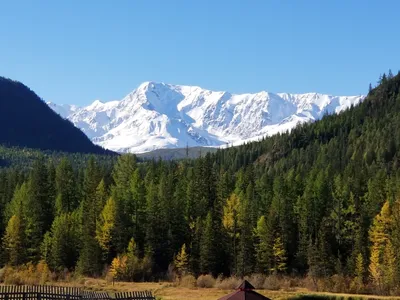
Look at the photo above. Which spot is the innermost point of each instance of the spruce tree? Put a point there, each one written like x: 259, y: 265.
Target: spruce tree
x: 39, y: 208
x: 138, y: 193
x: 208, y: 247
x: 61, y: 245
x: 66, y: 188
x: 263, y: 246
x: 89, y: 262
x: 122, y: 173
x: 246, y: 251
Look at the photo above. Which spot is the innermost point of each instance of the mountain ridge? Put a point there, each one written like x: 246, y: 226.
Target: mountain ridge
x: 28, y: 122
x: 160, y: 115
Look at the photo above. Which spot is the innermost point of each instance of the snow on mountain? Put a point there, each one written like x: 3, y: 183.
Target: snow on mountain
x: 159, y: 115
x: 64, y: 110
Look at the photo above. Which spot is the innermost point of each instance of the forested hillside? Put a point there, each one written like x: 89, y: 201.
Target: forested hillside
x: 27, y: 121
x: 322, y: 200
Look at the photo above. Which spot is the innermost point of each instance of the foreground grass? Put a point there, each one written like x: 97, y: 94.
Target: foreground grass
x: 168, y: 291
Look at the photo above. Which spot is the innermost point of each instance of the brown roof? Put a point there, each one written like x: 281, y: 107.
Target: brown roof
x: 244, y: 292
x: 245, y: 285
x: 244, y: 295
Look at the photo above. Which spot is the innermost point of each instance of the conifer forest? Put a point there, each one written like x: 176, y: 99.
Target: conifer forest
x: 319, y: 201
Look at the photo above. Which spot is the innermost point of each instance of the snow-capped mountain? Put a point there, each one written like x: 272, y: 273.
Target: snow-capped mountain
x: 159, y: 115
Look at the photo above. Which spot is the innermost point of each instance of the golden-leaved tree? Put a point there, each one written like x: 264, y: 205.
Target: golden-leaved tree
x: 181, y: 261
x: 106, y: 226
x: 382, y: 267
x: 231, y: 222
x: 279, y: 256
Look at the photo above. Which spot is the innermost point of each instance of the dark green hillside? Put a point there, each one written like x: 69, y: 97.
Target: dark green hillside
x: 176, y: 153
x: 23, y: 158
x: 371, y: 128
x: 27, y: 121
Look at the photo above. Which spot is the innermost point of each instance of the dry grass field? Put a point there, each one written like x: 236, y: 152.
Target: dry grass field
x: 169, y: 291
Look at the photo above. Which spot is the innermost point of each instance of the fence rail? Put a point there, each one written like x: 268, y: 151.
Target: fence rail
x: 145, y: 295
x: 45, y: 292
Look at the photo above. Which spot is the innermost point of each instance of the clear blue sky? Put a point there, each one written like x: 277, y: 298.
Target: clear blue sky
x: 77, y: 51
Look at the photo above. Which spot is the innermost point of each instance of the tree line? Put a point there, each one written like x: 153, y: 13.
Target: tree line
x: 321, y: 200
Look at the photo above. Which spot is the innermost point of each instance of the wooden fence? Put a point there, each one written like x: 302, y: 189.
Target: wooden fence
x: 135, y: 296
x: 44, y: 292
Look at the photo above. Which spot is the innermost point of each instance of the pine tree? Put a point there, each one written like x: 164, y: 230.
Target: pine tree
x: 395, y: 233
x: 101, y: 196
x: 157, y: 234
x: 390, y: 75
x: 132, y: 261
x: 338, y: 210
x: 166, y: 200
x: 207, y: 247
x: 61, y: 245
x: 121, y: 192
x: 39, y: 209
x: 90, y: 254
x: 122, y: 173
x: 389, y: 267
x: 66, y: 188
x: 358, y: 281
x: 246, y: 242
x: 263, y: 246
x: 178, y: 223
x: 17, y: 205
x: 51, y: 186
x: 138, y: 193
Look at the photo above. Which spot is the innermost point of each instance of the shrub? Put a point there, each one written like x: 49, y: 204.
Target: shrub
x: 3, y: 272
x: 229, y: 283
x: 205, y: 281
x: 172, y: 275
x: 339, y: 284
x: 128, y: 267
x: 44, y: 272
x: 28, y: 274
x: 271, y: 283
x: 311, y: 283
x: 257, y: 280
x: 188, y: 281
